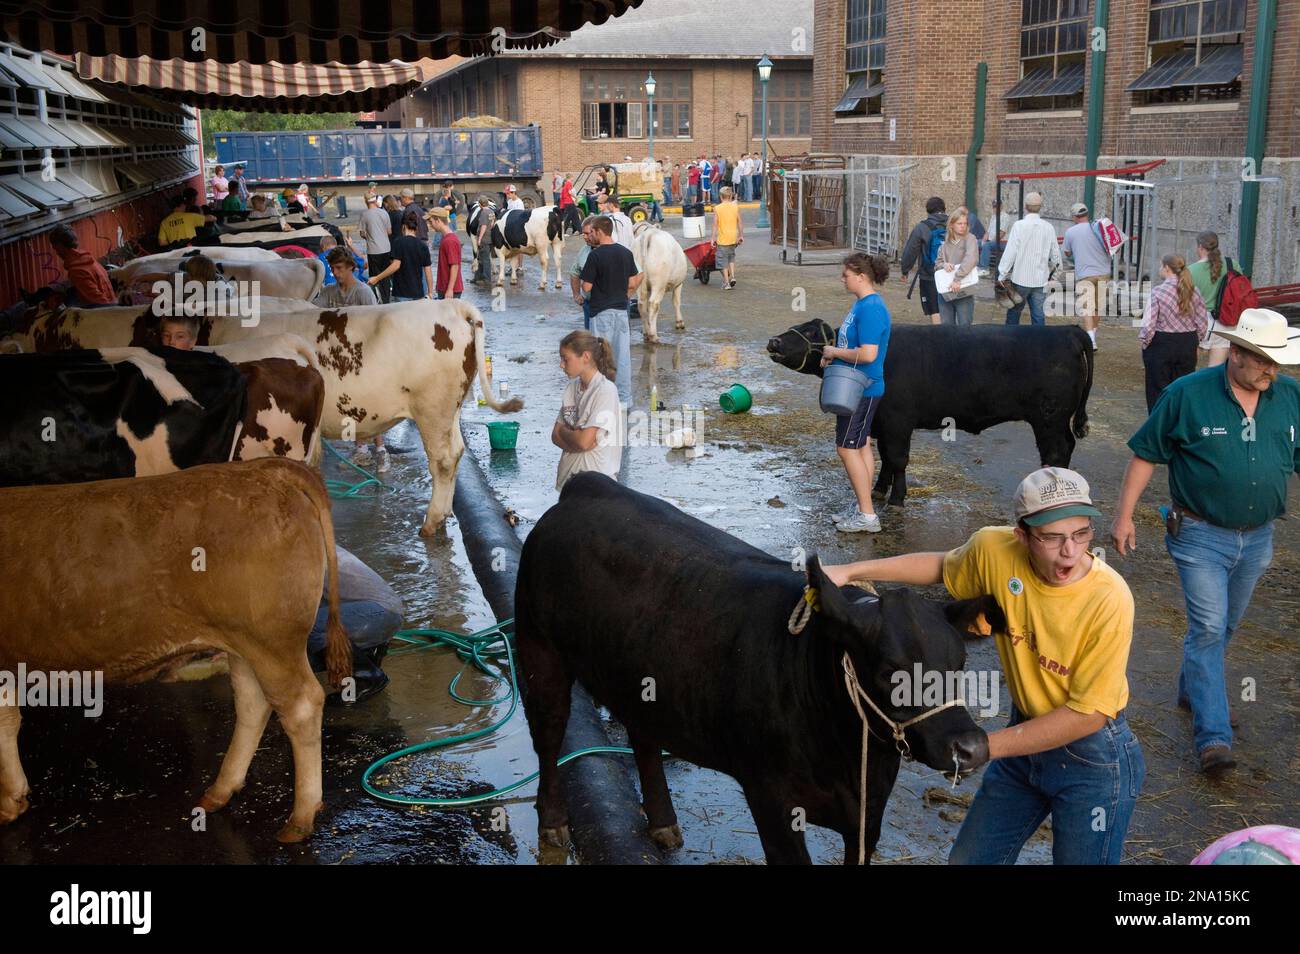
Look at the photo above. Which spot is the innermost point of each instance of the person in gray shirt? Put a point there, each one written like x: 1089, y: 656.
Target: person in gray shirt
x: 1083, y: 245
x: 346, y: 292
x: 375, y: 228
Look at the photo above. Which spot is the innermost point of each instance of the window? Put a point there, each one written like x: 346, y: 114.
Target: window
x: 1195, y: 52
x: 615, y: 105
x: 864, y: 59
x: 789, y: 103
x: 1053, y: 50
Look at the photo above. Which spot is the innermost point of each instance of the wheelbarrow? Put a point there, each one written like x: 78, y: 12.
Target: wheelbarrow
x: 704, y: 256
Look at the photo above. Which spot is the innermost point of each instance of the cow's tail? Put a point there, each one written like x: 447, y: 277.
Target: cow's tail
x: 1081, y: 411
x: 338, y: 648
x: 475, y: 318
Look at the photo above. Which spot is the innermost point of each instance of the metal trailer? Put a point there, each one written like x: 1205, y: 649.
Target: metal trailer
x: 474, y: 160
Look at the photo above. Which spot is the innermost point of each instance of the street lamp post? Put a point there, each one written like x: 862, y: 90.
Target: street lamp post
x: 764, y: 74
x: 650, y: 92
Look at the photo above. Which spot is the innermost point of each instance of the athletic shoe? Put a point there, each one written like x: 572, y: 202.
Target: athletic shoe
x: 726, y: 287
x: 733, y: 284
x: 860, y: 522
x: 363, y: 457
x: 381, y: 460
x: 846, y: 515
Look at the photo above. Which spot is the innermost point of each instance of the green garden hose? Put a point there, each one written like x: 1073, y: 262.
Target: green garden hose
x: 342, y: 489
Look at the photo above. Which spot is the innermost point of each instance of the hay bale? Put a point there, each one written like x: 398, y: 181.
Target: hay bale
x: 479, y: 122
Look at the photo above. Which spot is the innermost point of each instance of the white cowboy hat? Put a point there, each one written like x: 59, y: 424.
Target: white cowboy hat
x: 1266, y: 333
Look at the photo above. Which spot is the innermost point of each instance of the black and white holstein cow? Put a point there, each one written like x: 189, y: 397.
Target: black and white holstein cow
x: 127, y: 412
x: 672, y: 603
x: 381, y: 364
x: 972, y: 378
x: 522, y: 232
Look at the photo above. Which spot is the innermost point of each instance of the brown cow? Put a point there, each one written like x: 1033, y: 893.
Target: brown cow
x: 126, y: 576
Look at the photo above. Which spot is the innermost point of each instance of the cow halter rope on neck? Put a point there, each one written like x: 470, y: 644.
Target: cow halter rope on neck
x: 803, y: 611
x: 812, y: 345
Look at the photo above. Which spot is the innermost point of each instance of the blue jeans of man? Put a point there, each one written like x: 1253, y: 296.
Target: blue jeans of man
x: 756, y: 186
x: 713, y: 192
x: 668, y: 191
x: 1035, y: 297
x: 1088, y: 786
x: 1219, y: 569
x: 586, y: 313
x: 656, y: 214
x: 612, y: 325
x: 986, y: 251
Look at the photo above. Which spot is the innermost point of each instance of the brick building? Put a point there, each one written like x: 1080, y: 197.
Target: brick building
x: 1178, y: 76
x: 587, y: 92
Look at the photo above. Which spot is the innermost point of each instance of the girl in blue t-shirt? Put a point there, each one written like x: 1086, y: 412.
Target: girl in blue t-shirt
x: 862, y: 342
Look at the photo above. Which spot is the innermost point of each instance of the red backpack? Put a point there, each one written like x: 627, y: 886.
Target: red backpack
x: 1236, y: 294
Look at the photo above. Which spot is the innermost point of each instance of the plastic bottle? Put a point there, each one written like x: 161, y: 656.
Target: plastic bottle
x: 654, y: 397
x: 487, y: 362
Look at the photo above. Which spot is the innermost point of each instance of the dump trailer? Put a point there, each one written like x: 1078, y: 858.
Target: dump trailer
x: 346, y: 161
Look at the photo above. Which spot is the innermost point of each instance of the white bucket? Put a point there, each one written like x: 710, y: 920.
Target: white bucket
x: 693, y: 226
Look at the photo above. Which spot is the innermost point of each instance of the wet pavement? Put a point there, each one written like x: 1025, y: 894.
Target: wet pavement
x: 119, y: 788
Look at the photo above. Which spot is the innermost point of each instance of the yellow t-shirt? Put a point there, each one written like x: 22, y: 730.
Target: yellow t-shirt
x: 179, y: 227
x: 727, y: 217
x: 1066, y: 645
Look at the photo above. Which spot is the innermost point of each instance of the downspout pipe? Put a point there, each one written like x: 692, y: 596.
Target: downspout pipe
x: 1256, y: 128
x: 977, y: 137
x: 1096, y: 98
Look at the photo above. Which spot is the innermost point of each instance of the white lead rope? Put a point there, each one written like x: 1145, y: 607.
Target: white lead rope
x: 856, y: 695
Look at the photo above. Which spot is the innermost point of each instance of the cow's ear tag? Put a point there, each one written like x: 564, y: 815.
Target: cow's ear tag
x: 812, y: 598
x: 979, y: 626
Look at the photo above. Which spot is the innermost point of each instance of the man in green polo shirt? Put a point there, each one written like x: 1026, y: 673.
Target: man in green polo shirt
x: 1230, y: 435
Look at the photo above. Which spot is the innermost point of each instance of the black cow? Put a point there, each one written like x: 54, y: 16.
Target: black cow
x: 91, y: 415
x: 519, y: 232
x: 681, y: 630
x: 970, y: 377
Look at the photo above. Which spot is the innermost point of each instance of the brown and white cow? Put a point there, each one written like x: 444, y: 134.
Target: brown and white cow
x: 300, y: 278
x: 381, y: 364
x: 143, y: 605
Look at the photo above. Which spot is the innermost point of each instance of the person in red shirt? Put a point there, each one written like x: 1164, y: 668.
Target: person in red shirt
x: 569, y: 217
x: 449, y: 282
x: 692, y: 183
x: 89, y: 280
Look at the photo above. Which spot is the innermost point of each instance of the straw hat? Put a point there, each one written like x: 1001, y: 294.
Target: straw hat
x: 1266, y: 333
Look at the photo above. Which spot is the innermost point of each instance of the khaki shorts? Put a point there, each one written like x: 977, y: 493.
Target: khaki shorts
x: 1090, y: 302
x: 1212, y: 342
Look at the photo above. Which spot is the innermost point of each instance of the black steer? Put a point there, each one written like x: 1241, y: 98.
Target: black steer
x: 969, y: 377
x: 681, y: 630
x: 84, y: 415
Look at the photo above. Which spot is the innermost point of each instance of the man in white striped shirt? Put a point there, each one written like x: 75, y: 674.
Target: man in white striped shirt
x: 1030, y: 258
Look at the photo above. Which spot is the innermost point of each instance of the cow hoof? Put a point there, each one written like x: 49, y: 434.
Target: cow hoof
x: 293, y: 833
x: 555, y: 837
x: 558, y: 285
x: 541, y: 288
x: 430, y: 529
x: 11, y: 808
x: 213, y: 803
x: 680, y: 326
x: 668, y: 838
x: 651, y: 339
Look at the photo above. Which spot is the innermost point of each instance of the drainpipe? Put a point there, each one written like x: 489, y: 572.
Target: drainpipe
x: 977, y: 137
x: 1096, y: 97
x: 1256, y: 127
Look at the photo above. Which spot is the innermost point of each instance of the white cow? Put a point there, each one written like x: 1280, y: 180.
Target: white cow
x: 665, y: 266
x: 300, y: 278
x: 522, y: 232
x: 171, y: 261
x: 381, y: 364
x: 275, y: 237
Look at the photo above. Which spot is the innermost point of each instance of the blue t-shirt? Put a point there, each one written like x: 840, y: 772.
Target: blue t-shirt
x: 329, y: 272
x: 867, y: 323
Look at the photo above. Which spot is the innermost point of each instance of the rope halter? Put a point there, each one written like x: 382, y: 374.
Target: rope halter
x: 812, y: 345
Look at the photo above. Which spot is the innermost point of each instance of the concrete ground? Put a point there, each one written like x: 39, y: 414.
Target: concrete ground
x: 769, y: 476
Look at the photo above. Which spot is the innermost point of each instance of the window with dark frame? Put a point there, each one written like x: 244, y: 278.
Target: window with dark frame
x: 864, y: 59
x: 615, y: 104
x: 789, y: 103
x: 1053, y: 53
x: 1196, y: 52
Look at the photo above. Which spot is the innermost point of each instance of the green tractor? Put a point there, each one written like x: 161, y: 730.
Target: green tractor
x: 635, y: 194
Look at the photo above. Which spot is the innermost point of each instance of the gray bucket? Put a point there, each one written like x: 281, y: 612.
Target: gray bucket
x: 842, y: 388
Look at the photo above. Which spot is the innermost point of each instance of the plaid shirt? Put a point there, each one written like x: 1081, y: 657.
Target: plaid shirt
x: 1162, y: 314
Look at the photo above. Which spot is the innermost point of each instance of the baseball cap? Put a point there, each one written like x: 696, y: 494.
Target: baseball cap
x: 510, y: 188
x: 1078, y: 209
x: 1053, y: 493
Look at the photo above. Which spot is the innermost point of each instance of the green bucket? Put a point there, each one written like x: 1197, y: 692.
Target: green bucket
x: 503, y: 434
x: 736, y: 399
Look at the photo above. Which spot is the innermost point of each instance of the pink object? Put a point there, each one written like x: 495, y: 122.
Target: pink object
x: 1271, y: 844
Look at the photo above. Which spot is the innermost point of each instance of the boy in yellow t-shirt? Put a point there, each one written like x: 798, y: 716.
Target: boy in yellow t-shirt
x: 1067, y: 751
x: 180, y: 227
x: 728, y: 232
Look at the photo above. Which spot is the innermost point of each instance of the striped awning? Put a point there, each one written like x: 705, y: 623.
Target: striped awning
x: 268, y: 87
x: 296, y: 31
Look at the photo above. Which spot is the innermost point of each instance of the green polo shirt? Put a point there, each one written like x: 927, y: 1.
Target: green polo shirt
x: 1199, y: 429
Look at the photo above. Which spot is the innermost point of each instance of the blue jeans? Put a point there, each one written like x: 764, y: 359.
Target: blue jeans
x: 1219, y: 569
x: 986, y: 251
x: 656, y: 214
x: 1035, y: 297
x: 756, y: 186
x: 612, y: 325
x: 586, y: 314
x: 1089, y: 787
x: 668, y: 192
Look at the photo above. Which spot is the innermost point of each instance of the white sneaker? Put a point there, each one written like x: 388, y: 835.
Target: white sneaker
x: 381, y: 460
x: 860, y: 522
x: 362, y: 456
x: 845, y: 516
